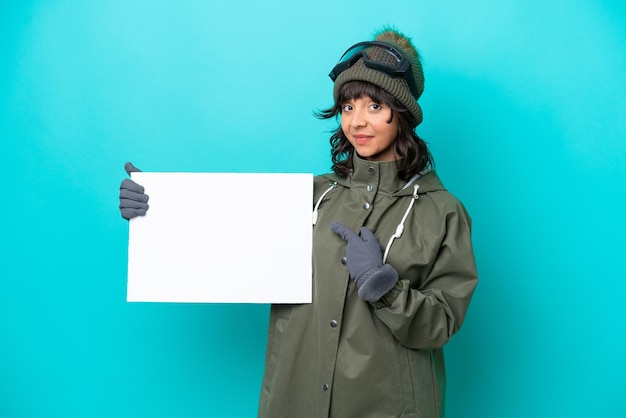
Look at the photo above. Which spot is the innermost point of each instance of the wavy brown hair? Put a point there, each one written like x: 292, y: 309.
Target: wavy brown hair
x: 412, y: 150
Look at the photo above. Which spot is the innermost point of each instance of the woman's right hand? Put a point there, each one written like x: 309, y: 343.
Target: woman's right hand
x: 133, y: 200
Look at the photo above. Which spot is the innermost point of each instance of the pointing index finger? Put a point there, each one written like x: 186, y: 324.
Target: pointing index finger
x: 343, y: 231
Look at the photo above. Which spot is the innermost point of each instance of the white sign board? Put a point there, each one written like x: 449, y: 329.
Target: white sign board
x: 223, y: 238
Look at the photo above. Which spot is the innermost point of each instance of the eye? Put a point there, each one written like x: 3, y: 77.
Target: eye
x: 346, y: 108
x: 376, y: 106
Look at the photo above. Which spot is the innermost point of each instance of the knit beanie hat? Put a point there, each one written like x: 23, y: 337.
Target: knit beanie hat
x: 398, y: 87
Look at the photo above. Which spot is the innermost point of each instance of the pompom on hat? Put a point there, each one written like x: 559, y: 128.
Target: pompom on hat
x: 396, y: 86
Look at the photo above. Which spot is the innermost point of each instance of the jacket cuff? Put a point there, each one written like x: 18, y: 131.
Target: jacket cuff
x: 390, y: 297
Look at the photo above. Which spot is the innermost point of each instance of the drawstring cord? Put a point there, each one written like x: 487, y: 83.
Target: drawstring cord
x: 400, y: 227
x: 319, y: 201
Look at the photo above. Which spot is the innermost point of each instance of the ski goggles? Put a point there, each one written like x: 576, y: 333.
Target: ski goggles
x: 379, y: 56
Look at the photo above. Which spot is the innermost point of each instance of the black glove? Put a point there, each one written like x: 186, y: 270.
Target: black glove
x: 133, y: 200
x: 365, y: 263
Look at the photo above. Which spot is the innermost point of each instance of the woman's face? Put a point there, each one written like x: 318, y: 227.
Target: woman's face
x: 366, y: 125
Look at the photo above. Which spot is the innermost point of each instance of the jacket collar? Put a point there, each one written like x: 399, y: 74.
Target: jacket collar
x: 389, y: 179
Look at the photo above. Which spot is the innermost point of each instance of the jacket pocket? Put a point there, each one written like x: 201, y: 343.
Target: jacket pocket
x: 419, y: 383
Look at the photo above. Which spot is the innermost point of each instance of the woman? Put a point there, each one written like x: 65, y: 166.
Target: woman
x: 370, y: 344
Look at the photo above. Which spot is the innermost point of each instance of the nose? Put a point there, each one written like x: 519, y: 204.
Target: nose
x: 359, y: 118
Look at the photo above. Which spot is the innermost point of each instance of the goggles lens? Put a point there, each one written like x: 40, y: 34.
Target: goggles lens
x: 379, y: 56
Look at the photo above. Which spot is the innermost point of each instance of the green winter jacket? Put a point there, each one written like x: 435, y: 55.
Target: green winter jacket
x: 342, y: 357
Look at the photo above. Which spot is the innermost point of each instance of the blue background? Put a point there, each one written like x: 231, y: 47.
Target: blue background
x: 524, y: 110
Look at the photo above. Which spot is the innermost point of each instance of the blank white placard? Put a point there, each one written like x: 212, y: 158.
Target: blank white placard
x: 222, y: 238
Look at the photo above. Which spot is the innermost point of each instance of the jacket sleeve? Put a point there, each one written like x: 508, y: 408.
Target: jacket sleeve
x: 426, y: 317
